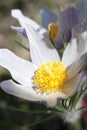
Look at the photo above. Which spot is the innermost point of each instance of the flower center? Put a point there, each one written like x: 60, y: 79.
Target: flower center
x: 50, y: 77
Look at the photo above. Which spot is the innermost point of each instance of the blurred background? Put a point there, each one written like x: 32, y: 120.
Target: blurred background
x: 15, y: 113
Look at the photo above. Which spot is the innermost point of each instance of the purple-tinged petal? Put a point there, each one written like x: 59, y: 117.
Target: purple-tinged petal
x: 79, y: 29
x: 82, y: 6
x: 47, y: 17
x: 59, y: 41
x: 76, y: 66
x: 70, y: 86
x: 82, y: 79
x: 69, y: 18
x: 20, y: 30
x: 66, y: 21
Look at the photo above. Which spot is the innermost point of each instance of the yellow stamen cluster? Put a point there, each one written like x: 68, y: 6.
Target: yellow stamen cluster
x: 53, y: 30
x: 50, y: 77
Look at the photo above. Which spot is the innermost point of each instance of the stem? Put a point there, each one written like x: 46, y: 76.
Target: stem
x: 75, y: 125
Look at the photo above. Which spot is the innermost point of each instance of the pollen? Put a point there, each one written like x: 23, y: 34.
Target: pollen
x: 53, y: 30
x: 50, y: 77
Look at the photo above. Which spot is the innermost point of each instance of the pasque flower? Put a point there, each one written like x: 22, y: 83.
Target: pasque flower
x: 66, y: 21
x: 46, y: 77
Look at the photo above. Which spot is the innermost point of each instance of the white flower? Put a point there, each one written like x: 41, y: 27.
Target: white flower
x: 47, y: 77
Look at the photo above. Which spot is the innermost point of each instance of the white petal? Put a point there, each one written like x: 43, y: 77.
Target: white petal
x: 75, y: 49
x: 76, y: 66
x: 18, y: 90
x: 82, y: 43
x: 53, y: 98
x: 26, y: 92
x: 71, y: 86
x: 20, y: 69
x: 70, y: 53
x: 41, y: 50
x: 16, y: 13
